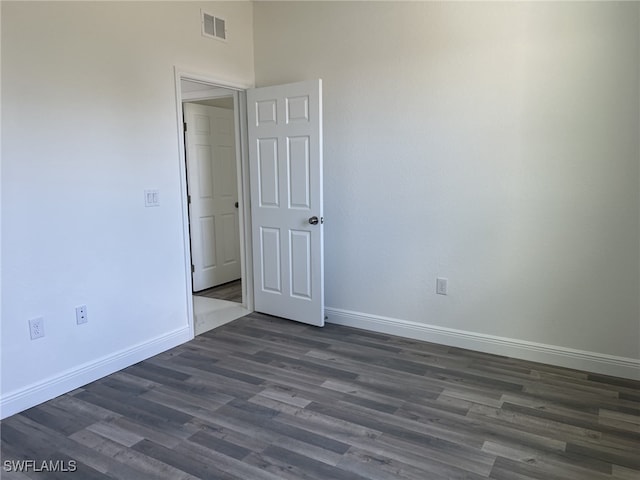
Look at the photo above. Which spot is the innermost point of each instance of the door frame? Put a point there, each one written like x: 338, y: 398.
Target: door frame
x: 242, y: 164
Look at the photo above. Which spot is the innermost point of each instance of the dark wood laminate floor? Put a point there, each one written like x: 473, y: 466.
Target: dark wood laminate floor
x: 231, y: 292
x: 264, y: 398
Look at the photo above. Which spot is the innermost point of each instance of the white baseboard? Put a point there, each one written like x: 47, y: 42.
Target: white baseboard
x: 510, y: 347
x: 34, y: 394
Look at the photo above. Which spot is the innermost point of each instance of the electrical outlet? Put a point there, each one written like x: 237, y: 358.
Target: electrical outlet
x: 36, y: 328
x: 441, y: 286
x: 81, y: 314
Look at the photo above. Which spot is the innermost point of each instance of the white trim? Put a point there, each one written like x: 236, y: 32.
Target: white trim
x: 182, y: 172
x: 511, y: 347
x: 208, y: 80
x: 206, y: 94
x: 36, y: 393
x: 242, y: 153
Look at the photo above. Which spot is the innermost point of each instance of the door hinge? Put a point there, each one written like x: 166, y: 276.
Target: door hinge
x: 185, y: 126
x: 188, y: 198
x: 193, y: 268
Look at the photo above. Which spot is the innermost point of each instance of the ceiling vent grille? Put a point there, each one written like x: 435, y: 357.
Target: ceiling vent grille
x: 214, y: 27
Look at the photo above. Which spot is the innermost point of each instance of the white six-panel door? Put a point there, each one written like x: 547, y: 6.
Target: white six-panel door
x: 285, y: 164
x: 213, y: 189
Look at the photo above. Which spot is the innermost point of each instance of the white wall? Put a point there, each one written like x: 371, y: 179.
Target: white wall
x: 89, y: 123
x: 495, y: 144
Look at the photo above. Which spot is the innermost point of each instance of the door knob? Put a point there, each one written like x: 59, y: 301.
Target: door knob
x: 314, y: 220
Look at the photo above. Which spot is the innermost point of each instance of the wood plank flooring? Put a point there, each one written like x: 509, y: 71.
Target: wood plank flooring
x: 231, y: 291
x: 267, y: 399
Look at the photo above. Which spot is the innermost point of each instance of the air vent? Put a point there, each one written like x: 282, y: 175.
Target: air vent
x: 214, y: 27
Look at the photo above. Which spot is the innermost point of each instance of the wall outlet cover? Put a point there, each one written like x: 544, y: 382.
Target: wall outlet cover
x: 36, y: 328
x: 81, y: 314
x: 441, y: 286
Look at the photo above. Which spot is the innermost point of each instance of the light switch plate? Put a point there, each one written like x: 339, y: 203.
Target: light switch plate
x: 151, y: 198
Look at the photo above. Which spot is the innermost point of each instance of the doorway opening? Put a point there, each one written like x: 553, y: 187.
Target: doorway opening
x: 214, y: 173
x: 281, y: 232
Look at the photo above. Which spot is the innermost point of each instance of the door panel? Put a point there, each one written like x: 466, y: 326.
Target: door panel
x: 268, y: 172
x: 212, y: 178
x: 285, y: 166
x: 298, y: 172
x: 270, y: 260
x: 300, y: 263
x: 230, y: 240
x: 208, y: 237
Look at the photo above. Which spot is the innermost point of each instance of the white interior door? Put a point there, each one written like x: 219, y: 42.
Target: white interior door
x: 213, y: 191
x: 285, y: 165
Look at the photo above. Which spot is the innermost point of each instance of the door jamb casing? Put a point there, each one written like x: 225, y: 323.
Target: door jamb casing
x: 242, y: 158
